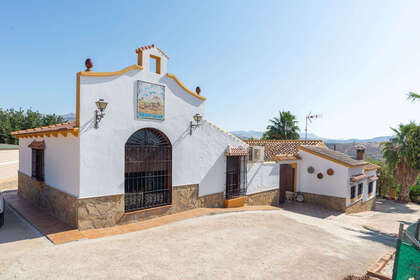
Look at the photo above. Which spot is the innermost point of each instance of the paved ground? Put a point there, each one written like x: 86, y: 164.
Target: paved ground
x: 247, y: 245
x: 9, y: 164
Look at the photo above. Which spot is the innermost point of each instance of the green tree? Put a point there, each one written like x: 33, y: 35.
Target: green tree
x: 413, y: 96
x: 284, y: 127
x: 13, y: 120
x: 402, y: 155
x: 386, y: 179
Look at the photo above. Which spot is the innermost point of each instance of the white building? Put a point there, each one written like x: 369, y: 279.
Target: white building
x: 141, y: 147
x: 321, y: 175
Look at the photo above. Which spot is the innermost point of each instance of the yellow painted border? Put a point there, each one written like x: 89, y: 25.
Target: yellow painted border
x: 329, y: 158
x: 74, y: 132
x: 172, y: 76
x: 294, y: 165
x: 109, y: 74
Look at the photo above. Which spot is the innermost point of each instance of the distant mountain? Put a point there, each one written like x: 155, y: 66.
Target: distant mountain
x: 246, y: 134
x: 69, y: 117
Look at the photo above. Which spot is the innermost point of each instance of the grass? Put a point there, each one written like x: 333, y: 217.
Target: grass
x: 8, y: 147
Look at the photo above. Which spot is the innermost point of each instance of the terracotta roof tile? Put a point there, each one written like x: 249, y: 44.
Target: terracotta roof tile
x: 239, y: 151
x: 371, y: 167
x: 50, y: 128
x: 283, y: 149
x: 151, y: 47
x: 334, y: 155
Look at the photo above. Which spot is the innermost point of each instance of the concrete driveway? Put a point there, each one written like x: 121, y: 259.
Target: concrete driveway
x: 9, y: 165
x: 278, y: 244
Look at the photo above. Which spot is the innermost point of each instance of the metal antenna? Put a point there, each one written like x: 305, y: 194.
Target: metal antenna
x: 309, y: 118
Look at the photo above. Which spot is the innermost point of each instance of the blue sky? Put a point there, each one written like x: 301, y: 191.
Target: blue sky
x: 352, y: 61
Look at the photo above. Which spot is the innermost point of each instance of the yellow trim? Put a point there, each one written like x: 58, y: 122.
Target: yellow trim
x: 139, y: 57
x: 172, y: 76
x: 329, y: 158
x: 157, y: 58
x: 78, y: 99
x: 55, y: 134
x: 294, y: 165
x: 109, y: 74
x: 235, y: 202
x: 64, y: 133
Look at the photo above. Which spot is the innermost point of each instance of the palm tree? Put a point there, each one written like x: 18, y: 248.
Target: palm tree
x: 413, y: 96
x: 402, y: 154
x: 284, y: 127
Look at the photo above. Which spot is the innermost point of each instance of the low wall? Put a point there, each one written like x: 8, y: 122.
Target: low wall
x: 270, y: 197
x: 331, y: 202
x: 361, y: 206
x: 60, y: 204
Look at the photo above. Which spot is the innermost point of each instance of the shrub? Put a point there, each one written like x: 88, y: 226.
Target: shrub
x: 415, y: 193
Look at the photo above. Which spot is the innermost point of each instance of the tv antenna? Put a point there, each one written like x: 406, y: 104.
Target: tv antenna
x: 309, y: 118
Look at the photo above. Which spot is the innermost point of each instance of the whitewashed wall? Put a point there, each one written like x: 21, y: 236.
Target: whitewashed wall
x: 335, y: 185
x: 262, y: 176
x: 197, y: 159
x: 364, y: 197
x: 61, y: 166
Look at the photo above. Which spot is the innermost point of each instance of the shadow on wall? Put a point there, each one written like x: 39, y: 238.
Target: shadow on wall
x: 214, y: 172
x: 179, y: 92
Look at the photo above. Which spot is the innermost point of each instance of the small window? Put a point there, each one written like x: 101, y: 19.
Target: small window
x: 359, y: 190
x: 370, y: 188
x: 154, y: 64
x: 353, y: 192
x: 38, y: 164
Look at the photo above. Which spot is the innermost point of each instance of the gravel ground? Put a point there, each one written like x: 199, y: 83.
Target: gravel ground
x: 250, y: 245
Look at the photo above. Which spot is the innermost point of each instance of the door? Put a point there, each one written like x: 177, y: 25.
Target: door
x: 148, y: 170
x: 287, y: 178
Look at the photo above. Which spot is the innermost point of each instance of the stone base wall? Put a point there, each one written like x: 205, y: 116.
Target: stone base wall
x: 107, y: 211
x: 58, y: 203
x: 183, y: 198
x: 212, y: 200
x: 270, y: 197
x: 100, y: 212
x: 361, y: 206
x: 331, y: 202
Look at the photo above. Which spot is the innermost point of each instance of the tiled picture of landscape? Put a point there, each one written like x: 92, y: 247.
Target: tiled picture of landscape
x: 150, y: 101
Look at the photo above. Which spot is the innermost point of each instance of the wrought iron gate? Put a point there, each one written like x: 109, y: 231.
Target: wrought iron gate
x: 148, y: 170
x: 235, y: 176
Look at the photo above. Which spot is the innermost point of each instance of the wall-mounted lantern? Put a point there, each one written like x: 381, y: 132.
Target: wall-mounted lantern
x: 197, y: 118
x: 99, y: 113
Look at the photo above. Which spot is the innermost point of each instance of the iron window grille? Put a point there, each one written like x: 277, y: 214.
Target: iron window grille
x: 148, y: 170
x: 353, y: 192
x: 360, y: 189
x: 370, y: 187
x: 38, y: 164
x: 236, y: 180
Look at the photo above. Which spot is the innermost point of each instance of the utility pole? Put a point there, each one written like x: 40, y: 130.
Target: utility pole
x: 309, y: 118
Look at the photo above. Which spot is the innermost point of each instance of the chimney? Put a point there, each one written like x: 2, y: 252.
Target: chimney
x: 360, y: 152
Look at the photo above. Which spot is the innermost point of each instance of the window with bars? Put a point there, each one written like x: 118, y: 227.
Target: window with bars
x: 370, y: 188
x: 148, y: 170
x: 38, y: 164
x: 359, y: 190
x: 353, y: 192
x: 235, y: 176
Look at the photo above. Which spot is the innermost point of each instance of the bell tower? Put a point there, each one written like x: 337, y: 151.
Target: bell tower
x: 152, y: 59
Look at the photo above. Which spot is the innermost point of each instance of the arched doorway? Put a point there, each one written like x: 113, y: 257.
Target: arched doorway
x: 148, y: 170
